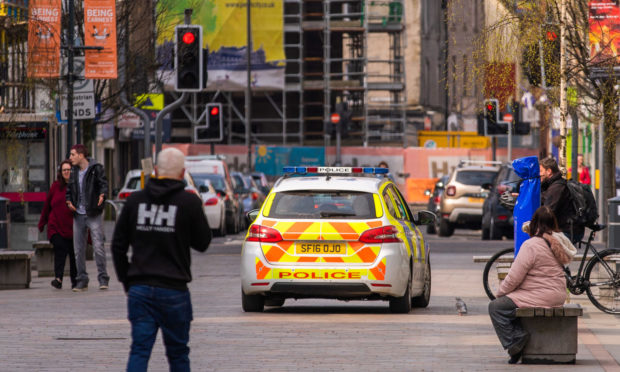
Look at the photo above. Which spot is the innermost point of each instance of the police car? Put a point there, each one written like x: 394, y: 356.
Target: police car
x: 330, y: 232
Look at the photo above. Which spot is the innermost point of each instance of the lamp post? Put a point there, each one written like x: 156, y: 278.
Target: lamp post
x: 248, y: 90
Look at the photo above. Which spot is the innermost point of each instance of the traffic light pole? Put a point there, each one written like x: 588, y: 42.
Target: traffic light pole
x: 510, y: 142
x: 248, y: 90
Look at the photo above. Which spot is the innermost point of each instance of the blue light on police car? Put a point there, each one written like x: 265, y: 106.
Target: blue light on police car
x: 369, y: 170
x: 288, y: 170
x: 300, y: 169
x: 381, y: 171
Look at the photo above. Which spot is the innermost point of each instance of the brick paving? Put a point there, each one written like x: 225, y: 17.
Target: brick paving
x: 43, y: 329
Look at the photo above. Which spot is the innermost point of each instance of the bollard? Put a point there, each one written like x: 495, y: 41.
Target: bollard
x: 614, y: 222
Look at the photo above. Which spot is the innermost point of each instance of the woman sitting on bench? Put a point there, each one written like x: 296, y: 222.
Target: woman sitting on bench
x: 536, y: 279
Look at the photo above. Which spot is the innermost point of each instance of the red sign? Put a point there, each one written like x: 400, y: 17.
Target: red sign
x: 100, y: 30
x: 508, y: 117
x: 44, y: 39
x: 335, y: 118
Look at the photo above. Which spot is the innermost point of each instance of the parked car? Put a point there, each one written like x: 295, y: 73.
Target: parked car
x: 261, y: 182
x: 461, y: 204
x: 249, y: 194
x: 234, y: 213
x: 214, y: 206
x: 497, y: 221
x: 132, y: 183
x: 434, y: 200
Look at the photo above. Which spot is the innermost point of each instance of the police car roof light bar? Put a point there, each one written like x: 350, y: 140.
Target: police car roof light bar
x: 335, y: 170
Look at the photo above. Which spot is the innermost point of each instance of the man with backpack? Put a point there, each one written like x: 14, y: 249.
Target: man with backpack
x: 569, y: 202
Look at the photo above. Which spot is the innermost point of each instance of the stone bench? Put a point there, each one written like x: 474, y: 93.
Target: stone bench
x: 553, y: 334
x: 15, y: 269
x: 44, y: 257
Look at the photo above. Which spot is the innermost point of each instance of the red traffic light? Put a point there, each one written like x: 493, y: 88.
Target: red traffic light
x: 214, y: 110
x: 189, y: 38
x: 490, y: 107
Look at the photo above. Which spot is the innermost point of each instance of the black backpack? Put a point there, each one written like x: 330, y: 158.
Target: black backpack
x: 584, y: 204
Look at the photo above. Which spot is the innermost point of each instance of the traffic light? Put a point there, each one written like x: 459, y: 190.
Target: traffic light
x: 344, y: 113
x: 214, y: 130
x: 491, y: 118
x: 519, y: 126
x: 188, y: 58
x: 549, y: 40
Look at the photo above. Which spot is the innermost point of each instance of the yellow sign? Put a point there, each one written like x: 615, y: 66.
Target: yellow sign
x: 150, y: 101
x: 440, y: 139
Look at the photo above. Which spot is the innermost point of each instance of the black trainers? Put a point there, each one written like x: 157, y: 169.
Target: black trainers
x: 56, y: 284
x: 81, y: 287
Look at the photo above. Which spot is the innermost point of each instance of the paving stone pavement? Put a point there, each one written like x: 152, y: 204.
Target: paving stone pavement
x: 43, y: 329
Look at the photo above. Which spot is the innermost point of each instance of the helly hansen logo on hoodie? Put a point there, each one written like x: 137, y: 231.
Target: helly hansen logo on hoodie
x: 153, y: 217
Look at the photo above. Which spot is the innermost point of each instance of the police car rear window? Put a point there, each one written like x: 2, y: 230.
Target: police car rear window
x: 475, y: 177
x: 323, y: 205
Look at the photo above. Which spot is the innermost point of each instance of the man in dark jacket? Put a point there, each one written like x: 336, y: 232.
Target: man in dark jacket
x: 160, y: 223
x: 86, y: 192
x: 555, y: 195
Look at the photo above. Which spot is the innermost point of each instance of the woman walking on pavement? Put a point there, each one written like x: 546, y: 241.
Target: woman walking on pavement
x: 536, y: 279
x: 59, y: 220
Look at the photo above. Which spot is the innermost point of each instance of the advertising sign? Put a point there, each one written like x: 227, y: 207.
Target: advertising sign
x: 100, y: 31
x: 225, y: 37
x: 44, y: 39
x: 604, y: 35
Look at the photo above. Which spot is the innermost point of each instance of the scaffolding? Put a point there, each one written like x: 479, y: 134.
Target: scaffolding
x: 326, y: 43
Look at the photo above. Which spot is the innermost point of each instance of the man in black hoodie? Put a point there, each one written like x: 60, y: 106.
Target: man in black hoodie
x: 160, y: 223
x: 555, y: 195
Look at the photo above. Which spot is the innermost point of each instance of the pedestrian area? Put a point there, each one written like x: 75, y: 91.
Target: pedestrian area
x: 44, y: 329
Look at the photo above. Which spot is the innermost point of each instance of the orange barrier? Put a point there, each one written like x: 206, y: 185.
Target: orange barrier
x: 416, y: 187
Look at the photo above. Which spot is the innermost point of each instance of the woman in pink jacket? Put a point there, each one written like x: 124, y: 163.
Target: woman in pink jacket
x: 536, y: 279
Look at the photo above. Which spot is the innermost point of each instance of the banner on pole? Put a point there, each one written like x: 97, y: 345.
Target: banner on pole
x: 100, y: 31
x: 44, y: 39
x: 224, y: 25
x: 604, y: 35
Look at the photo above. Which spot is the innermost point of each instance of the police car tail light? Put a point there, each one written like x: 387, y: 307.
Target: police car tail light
x: 451, y: 191
x: 384, y: 234
x: 123, y: 195
x: 211, y: 201
x: 263, y: 234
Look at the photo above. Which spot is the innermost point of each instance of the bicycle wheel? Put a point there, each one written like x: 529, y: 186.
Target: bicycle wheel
x: 495, y: 266
x: 603, y: 278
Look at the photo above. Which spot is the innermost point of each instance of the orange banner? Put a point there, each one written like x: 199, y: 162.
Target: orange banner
x: 44, y: 39
x: 100, y: 31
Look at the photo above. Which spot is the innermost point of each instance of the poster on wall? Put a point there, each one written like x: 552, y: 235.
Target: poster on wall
x: 44, y: 39
x: 225, y: 39
x: 100, y: 31
x: 604, y: 34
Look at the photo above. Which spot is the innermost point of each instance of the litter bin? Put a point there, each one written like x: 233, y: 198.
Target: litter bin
x: 614, y: 222
x: 5, y: 222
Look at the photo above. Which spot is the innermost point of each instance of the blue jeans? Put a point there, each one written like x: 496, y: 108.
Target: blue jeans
x: 150, y: 308
x: 81, y: 224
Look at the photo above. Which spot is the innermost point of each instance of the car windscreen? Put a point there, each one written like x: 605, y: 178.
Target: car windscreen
x: 475, y: 177
x: 323, y: 204
x: 134, y: 183
x: 216, y: 180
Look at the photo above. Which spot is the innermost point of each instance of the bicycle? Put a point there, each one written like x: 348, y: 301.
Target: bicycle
x: 599, y: 277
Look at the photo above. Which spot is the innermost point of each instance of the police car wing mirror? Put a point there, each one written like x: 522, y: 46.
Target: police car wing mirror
x: 251, y: 215
x: 425, y: 218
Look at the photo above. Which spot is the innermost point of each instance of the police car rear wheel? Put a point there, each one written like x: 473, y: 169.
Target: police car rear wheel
x: 252, y: 303
x: 402, y: 305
